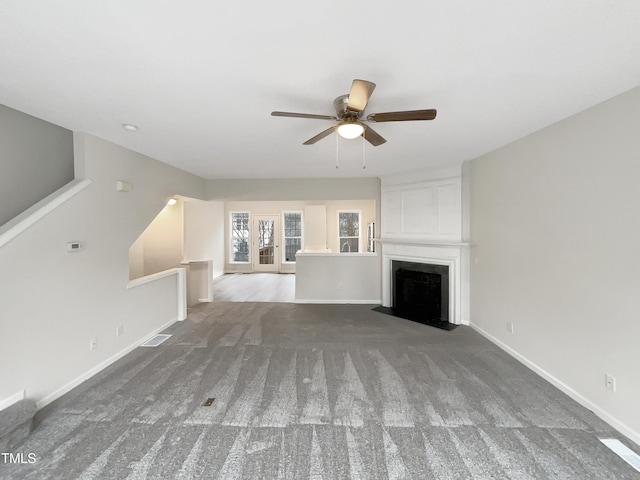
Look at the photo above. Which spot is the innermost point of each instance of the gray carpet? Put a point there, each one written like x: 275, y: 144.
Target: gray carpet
x: 320, y: 392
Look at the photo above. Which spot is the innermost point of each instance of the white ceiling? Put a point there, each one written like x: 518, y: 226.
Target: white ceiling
x: 200, y: 78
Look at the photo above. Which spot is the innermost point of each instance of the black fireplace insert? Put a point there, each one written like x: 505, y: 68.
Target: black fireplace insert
x: 420, y: 293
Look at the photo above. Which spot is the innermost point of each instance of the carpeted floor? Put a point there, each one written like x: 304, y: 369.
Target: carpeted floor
x: 320, y: 392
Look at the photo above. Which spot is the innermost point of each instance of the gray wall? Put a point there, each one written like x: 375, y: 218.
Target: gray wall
x: 555, y: 232
x: 36, y: 159
x: 295, y: 189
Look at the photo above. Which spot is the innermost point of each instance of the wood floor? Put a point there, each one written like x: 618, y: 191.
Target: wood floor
x: 254, y: 287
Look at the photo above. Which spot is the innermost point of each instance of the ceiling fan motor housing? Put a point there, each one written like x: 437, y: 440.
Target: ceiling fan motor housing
x: 342, y: 111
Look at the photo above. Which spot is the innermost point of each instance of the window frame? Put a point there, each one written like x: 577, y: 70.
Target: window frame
x: 359, y: 237
x: 231, y: 238
x: 284, y: 236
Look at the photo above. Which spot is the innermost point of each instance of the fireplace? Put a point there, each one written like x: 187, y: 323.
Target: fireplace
x: 443, y: 259
x: 420, y: 291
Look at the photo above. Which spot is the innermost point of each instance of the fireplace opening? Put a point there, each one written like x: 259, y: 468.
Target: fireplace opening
x: 420, y: 293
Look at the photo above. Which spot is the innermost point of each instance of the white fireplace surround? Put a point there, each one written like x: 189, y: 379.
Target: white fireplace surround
x: 449, y: 254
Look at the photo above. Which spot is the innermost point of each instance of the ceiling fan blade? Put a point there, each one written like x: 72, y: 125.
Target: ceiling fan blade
x: 403, y: 116
x: 359, y: 95
x: 373, y: 137
x: 303, y: 115
x: 320, y: 136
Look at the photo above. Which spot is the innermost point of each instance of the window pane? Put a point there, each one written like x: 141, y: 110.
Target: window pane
x: 292, y: 225
x: 292, y: 235
x: 349, y: 224
x: 348, y: 245
x: 240, y: 236
x: 240, y: 251
x: 291, y: 246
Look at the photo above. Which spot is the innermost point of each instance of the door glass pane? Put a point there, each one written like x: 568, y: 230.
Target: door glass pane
x: 266, y: 242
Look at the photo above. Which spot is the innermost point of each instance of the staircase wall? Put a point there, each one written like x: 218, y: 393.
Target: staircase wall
x: 53, y: 302
x: 36, y: 159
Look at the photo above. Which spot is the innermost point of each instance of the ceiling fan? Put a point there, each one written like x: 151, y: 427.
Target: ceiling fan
x: 349, y: 112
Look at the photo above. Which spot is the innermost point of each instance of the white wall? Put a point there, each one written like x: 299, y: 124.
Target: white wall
x: 338, y: 278
x: 203, y: 247
x: 204, y: 233
x: 159, y: 247
x: 315, y: 227
x: 136, y: 258
x: 183, y: 233
x: 53, y: 302
x: 299, y: 191
x: 36, y: 159
x: 555, y: 231
x: 162, y: 239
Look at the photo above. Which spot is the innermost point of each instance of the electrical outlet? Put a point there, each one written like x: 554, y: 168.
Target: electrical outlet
x: 610, y: 382
x: 93, y: 344
x: 510, y: 327
x: 119, y: 330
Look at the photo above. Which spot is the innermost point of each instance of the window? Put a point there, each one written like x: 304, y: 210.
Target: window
x: 349, y: 231
x: 292, y: 235
x: 240, y: 237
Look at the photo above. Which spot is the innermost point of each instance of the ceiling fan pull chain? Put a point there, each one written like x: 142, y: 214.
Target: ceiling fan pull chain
x: 364, y: 161
x: 337, y: 141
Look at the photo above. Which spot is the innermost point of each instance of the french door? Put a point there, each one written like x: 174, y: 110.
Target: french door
x: 266, y: 243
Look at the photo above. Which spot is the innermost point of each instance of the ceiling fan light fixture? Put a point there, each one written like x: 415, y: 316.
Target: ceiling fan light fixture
x: 350, y: 130
x: 350, y: 113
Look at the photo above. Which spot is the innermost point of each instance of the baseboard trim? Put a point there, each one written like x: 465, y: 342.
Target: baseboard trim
x: 338, y: 301
x: 15, y: 398
x: 101, y: 366
x: 582, y: 400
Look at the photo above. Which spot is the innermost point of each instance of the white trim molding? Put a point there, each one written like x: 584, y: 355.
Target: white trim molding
x: 337, y: 301
x: 13, y: 399
x: 449, y: 255
x: 37, y: 212
x: 422, y: 211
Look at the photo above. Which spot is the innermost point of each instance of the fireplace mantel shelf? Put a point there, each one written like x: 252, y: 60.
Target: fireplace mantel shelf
x: 426, y: 243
